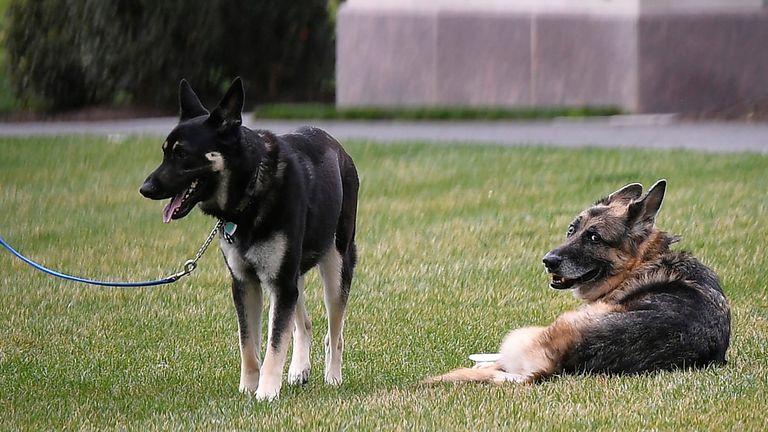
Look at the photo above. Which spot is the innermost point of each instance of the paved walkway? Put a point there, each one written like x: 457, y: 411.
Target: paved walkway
x: 621, y: 132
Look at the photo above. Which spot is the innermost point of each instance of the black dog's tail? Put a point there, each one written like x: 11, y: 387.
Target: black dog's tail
x: 345, y: 230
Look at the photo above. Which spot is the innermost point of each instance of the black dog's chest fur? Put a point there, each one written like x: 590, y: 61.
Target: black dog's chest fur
x: 261, y: 260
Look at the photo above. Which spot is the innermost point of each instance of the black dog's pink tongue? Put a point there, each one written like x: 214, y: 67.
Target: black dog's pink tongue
x: 174, y: 204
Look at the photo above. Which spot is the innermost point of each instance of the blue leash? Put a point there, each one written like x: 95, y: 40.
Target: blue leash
x: 188, y: 268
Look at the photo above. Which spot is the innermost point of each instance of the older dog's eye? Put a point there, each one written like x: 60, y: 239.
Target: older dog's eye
x: 594, y: 237
x: 571, y: 230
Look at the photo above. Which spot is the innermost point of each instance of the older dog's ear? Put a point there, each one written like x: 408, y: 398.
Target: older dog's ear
x: 644, y: 210
x: 189, y: 103
x: 627, y: 194
x: 229, y: 112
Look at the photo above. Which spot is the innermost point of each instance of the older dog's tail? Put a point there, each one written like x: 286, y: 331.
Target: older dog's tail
x: 492, y: 373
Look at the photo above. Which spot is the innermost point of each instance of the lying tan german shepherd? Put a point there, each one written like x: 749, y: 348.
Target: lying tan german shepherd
x: 646, y: 307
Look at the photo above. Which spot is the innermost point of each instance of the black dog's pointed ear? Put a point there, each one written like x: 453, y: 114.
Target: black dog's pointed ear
x: 189, y: 103
x: 229, y: 111
x: 626, y: 194
x: 644, y: 210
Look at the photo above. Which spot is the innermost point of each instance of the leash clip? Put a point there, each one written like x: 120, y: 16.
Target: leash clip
x: 189, y: 267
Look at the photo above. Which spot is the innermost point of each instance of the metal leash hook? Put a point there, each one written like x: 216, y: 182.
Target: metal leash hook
x: 190, y: 266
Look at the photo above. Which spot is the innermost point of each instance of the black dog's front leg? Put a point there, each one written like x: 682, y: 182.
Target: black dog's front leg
x: 282, y: 304
x: 247, y: 297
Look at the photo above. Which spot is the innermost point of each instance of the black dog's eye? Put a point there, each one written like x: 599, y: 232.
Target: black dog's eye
x: 571, y: 230
x: 179, y: 152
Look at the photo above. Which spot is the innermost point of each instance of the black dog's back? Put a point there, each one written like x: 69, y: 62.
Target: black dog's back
x: 329, y: 173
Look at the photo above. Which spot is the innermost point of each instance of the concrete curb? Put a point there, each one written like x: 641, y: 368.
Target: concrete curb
x: 653, y: 132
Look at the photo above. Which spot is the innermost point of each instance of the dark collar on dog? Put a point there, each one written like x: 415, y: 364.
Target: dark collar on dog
x: 266, y: 177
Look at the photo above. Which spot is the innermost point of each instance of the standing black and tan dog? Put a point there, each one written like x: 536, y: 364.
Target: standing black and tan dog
x: 289, y: 203
x: 647, y: 308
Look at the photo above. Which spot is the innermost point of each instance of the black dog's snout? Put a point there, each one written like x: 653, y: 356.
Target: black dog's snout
x: 552, y: 261
x: 149, y: 189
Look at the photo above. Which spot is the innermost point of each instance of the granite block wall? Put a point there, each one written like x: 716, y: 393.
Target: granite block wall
x: 642, y: 61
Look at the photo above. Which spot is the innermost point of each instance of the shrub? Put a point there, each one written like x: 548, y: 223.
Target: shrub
x: 70, y: 53
x: 44, y: 62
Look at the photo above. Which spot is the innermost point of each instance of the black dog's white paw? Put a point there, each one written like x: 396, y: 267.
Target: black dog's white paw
x: 298, y: 377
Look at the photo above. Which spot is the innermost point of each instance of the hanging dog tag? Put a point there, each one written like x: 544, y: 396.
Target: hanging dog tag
x: 228, y: 231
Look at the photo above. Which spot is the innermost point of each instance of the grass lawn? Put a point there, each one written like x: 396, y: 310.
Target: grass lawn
x: 450, y: 241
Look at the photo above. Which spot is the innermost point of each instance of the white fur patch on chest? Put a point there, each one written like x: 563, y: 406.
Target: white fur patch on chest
x: 267, y: 257
x: 263, y: 258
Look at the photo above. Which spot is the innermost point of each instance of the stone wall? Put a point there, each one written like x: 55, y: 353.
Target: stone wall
x: 640, y: 55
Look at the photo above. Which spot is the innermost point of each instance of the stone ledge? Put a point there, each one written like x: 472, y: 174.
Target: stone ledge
x: 643, y: 62
x: 560, y: 6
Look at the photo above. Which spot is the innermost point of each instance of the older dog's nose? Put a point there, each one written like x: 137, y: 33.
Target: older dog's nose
x: 552, y: 261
